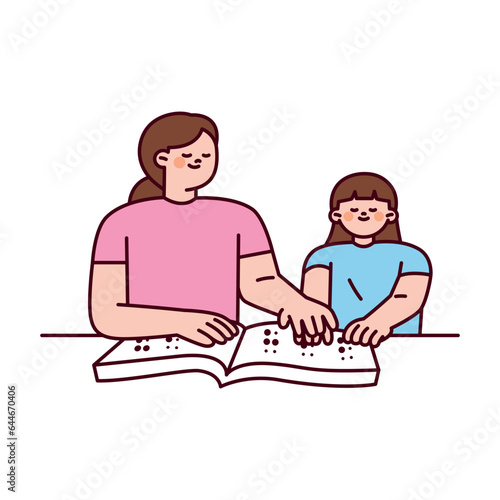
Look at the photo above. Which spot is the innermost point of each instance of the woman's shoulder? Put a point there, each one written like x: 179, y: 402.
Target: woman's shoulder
x: 130, y: 210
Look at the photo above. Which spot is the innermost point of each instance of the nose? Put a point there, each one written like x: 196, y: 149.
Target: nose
x: 198, y: 160
x: 363, y: 214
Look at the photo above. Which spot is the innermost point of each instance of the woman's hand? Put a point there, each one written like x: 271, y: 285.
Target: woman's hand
x: 207, y: 329
x: 366, y: 331
x: 311, y: 321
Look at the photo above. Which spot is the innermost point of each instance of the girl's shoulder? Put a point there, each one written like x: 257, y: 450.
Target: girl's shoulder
x: 324, y: 254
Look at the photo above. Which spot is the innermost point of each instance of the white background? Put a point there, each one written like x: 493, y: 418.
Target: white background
x: 350, y: 113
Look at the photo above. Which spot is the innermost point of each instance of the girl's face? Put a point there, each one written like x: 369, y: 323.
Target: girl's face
x: 363, y: 218
x: 192, y: 166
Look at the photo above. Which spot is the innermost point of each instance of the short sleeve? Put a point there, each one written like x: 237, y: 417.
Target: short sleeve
x: 253, y: 235
x: 110, y: 239
x: 318, y: 257
x: 415, y: 261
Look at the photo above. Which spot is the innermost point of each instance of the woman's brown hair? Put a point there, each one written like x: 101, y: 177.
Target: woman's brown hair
x: 364, y: 186
x: 173, y: 130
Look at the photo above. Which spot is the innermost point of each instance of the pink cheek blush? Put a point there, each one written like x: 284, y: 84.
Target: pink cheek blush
x: 179, y: 162
x: 348, y: 216
x: 378, y: 216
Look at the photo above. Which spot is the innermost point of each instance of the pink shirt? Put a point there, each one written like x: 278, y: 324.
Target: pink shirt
x: 182, y: 255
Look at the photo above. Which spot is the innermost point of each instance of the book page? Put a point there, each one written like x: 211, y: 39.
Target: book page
x: 169, y: 347
x: 267, y: 343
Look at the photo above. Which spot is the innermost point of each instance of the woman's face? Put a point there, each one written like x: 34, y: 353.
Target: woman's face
x: 192, y: 166
x: 363, y: 217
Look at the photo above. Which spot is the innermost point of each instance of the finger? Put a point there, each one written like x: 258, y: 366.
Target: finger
x: 330, y: 319
x: 317, y: 339
x: 328, y: 336
x: 328, y: 330
x: 199, y: 338
x: 349, y: 331
x: 283, y: 320
x: 358, y: 334
x: 378, y: 339
x: 367, y: 336
x: 229, y: 329
x: 307, y: 327
x: 296, y: 327
x: 306, y: 334
x: 318, y: 330
x: 212, y: 332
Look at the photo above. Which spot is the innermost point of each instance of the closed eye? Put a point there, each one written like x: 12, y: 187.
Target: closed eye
x: 205, y: 155
x: 372, y: 210
x: 186, y: 155
x: 354, y: 209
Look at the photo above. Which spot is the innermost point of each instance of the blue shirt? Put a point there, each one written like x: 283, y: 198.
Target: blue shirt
x: 362, y: 277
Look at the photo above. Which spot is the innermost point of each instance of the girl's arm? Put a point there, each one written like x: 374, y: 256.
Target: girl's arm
x: 406, y: 299
x: 316, y: 284
x: 112, y: 316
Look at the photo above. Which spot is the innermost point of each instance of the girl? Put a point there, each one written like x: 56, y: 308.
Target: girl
x: 375, y: 283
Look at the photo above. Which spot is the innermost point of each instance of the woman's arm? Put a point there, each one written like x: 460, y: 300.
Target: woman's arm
x: 262, y: 286
x: 112, y: 316
x: 407, y: 298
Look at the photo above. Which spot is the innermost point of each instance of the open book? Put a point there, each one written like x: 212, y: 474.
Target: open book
x: 260, y: 352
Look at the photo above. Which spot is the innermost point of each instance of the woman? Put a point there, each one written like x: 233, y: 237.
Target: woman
x: 186, y: 260
x: 375, y: 283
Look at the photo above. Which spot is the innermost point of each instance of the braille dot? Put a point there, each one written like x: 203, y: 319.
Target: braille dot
x: 146, y: 348
x: 350, y: 357
x: 343, y: 358
x: 339, y: 340
x: 350, y: 348
x: 265, y: 350
x: 177, y: 338
x: 168, y: 347
x: 303, y: 354
x: 176, y: 347
x: 267, y: 332
x: 137, y: 348
x: 312, y: 354
x: 139, y: 340
x: 275, y: 333
x: 274, y: 352
x: 169, y: 339
x: 341, y: 349
x: 147, y: 340
x: 267, y: 341
x: 276, y: 342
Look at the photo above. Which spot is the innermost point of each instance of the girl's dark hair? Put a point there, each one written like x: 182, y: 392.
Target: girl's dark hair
x: 364, y: 186
x: 173, y: 130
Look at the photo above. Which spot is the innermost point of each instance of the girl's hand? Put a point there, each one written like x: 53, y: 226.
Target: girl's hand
x: 311, y: 321
x: 207, y: 329
x: 366, y: 331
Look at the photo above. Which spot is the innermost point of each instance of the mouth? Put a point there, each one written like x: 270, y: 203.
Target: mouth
x: 194, y: 166
x: 363, y: 219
